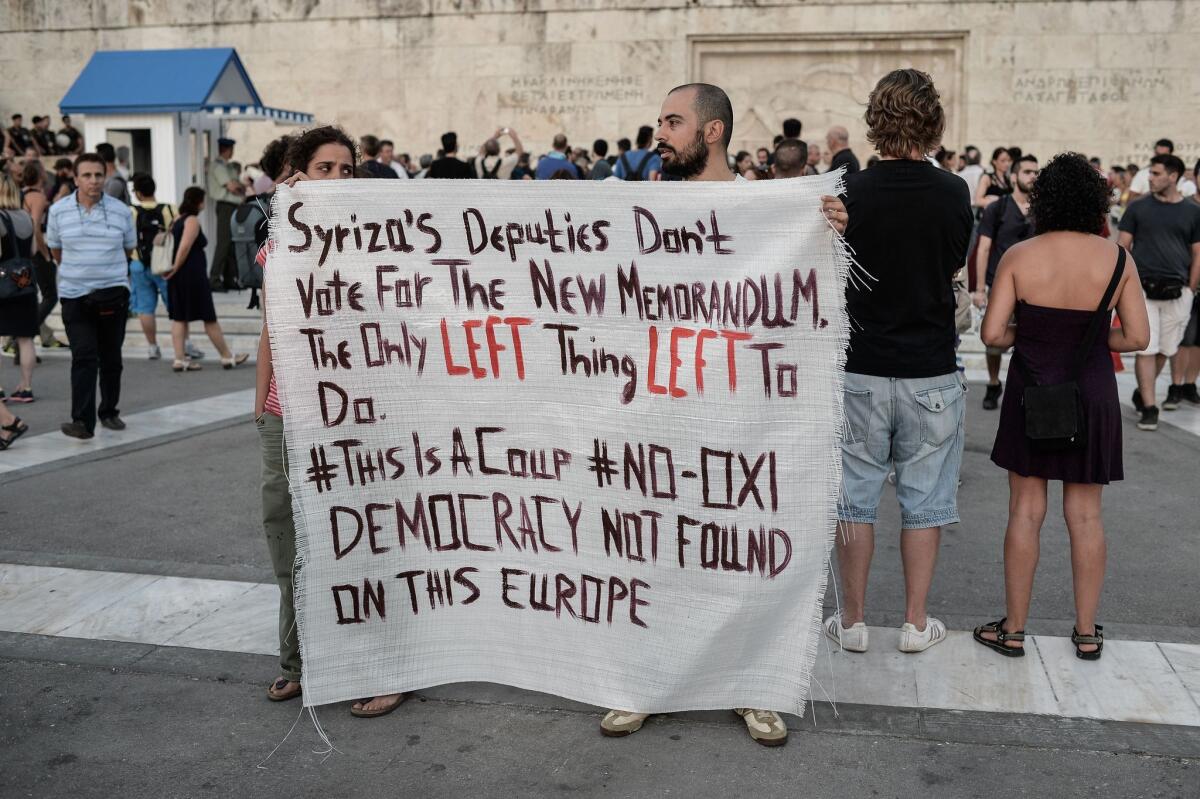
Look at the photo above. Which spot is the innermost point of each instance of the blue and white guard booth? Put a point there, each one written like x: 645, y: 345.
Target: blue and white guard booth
x: 169, y: 107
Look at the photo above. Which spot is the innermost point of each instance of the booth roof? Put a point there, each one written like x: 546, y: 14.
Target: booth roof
x: 154, y: 81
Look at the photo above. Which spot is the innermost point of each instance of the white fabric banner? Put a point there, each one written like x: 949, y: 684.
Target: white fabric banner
x: 575, y: 437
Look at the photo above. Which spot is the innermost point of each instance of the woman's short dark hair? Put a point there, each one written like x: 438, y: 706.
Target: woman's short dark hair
x: 302, y: 148
x: 1069, y: 194
x: 192, y: 197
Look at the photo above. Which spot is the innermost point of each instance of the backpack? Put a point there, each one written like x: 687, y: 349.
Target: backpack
x: 16, y: 270
x: 636, y: 174
x: 243, y: 228
x: 150, y: 222
x: 494, y: 172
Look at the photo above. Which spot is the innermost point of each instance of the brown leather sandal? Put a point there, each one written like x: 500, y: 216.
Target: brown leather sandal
x: 363, y: 713
x: 279, y: 691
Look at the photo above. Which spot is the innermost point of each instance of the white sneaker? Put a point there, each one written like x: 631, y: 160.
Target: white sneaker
x: 155, y: 352
x: 191, y: 351
x: 619, y: 723
x: 764, y: 726
x: 914, y: 640
x: 852, y: 639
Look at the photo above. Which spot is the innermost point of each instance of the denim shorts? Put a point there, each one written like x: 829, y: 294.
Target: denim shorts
x: 913, y: 425
x: 145, y: 288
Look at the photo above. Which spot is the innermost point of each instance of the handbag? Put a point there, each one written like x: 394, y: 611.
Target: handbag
x: 1055, y: 418
x: 16, y: 272
x: 162, y: 256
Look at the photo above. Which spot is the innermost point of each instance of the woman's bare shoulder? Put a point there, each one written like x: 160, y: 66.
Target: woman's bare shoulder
x: 1063, y: 248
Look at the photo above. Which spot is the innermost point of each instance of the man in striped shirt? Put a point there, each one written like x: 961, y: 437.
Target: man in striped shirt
x: 90, y: 236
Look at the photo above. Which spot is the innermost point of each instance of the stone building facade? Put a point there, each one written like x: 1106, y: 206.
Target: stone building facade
x: 1100, y: 76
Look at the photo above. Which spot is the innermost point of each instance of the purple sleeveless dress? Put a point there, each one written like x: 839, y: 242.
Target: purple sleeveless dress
x: 1047, y: 339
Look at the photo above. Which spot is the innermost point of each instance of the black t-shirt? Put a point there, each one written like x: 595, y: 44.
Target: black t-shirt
x: 20, y: 139
x: 844, y: 158
x: 1005, y: 225
x: 449, y: 167
x: 377, y: 170
x: 45, y: 141
x: 1163, y: 235
x: 910, y: 224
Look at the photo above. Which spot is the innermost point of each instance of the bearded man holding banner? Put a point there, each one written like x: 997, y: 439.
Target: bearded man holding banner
x: 400, y: 588
x: 695, y: 126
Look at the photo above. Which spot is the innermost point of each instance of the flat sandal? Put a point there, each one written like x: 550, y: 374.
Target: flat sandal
x: 997, y: 628
x: 1097, y: 639
x: 278, y: 690
x: 16, y: 429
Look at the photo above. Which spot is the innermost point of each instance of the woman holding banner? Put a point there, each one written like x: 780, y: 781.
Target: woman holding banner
x: 324, y: 153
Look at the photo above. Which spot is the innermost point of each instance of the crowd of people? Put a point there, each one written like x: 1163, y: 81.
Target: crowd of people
x: 1034, y: 239
x: 84, y: 237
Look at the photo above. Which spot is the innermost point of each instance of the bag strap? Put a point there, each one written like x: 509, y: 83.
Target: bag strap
x: 1100, y: 317
x: 10, y: 235
x: 642, y: 164
x: 1089, y: 338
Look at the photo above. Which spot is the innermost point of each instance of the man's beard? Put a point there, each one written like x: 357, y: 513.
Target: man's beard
x: 688, y: 163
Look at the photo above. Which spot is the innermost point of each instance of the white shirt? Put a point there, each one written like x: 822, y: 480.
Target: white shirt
x: 400, y: 171
x: 971, y: 173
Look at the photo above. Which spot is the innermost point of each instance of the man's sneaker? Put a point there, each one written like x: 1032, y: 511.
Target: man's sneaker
x: 75, y: 430
x: 112, y: 423
x: 155, y: 352
x: 914, y: 640
x: 619, y: 723
x: 53, y: 344
x: 1174, y: 397
x: 1138, y: 405
x: 1190, y: 394
x: 764, y: 726
x: 191, y: 351
x: 1149, y: 418
x: 852, y: 639
x: 22, y: 395
x: 991, y: 397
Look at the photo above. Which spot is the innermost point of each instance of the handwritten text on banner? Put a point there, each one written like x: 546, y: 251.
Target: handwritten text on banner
x: 569, y: 436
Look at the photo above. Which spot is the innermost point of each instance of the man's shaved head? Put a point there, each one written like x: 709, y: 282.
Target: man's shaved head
x: 711, y: 102
x: 791, y: 156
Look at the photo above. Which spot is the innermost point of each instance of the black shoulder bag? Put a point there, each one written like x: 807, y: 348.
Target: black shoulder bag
x: 1055, y: 419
